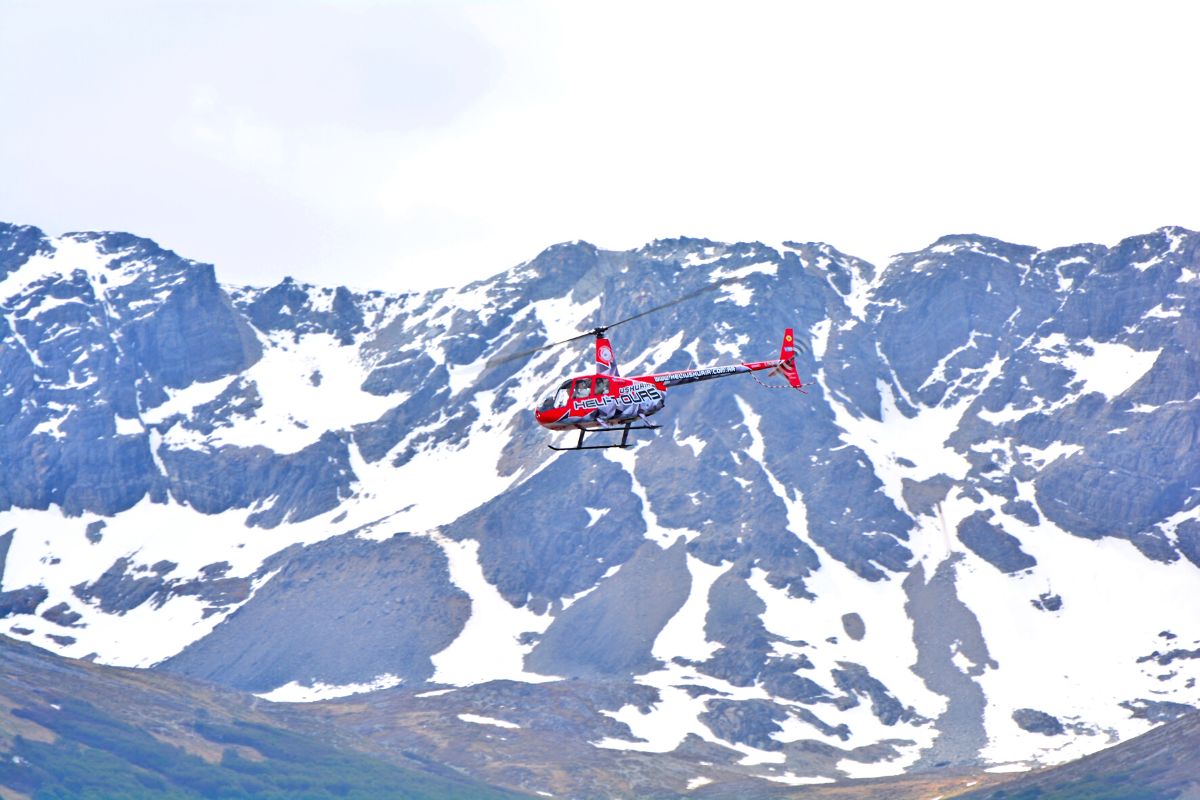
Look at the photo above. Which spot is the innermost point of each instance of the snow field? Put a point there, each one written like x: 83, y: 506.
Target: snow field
x: 146, y: 534
x: 1091, y: 661
x: 839, y: 591
x: 1075, y: 663
x: 69, y: 254
x: 294, y: 692
x: 677, y: 714
x: 297, y: 407
x: 480, y: 720
x: 487, y: 649
x: 1110, y: 368
x: 683, y: 636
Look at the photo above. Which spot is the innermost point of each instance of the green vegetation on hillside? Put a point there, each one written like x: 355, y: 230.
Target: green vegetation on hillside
x: 98, y: 756
x: 1117, y: 784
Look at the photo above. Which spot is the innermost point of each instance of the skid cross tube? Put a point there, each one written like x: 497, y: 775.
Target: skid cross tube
x: 624, y: 429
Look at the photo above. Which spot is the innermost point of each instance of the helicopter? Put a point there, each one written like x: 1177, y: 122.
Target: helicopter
x: 603, y: 401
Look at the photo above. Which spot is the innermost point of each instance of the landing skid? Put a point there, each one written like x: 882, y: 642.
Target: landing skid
x: 624, y: 429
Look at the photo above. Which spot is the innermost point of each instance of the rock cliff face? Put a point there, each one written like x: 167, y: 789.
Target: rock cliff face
x: 970, y: 543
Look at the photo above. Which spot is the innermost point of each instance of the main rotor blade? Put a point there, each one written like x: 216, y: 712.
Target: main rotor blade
x: 708, y: 287
x: 498, y: 360
x: 599, y: 331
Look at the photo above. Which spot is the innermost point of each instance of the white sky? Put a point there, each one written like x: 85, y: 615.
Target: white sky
x: 400, y: 145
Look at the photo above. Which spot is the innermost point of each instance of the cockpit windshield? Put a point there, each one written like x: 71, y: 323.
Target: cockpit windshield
x: 557, y: 400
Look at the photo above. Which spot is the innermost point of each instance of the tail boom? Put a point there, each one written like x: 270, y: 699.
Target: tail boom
x: 785, y: 365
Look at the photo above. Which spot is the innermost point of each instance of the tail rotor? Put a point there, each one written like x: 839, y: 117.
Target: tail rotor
x: 786, y: 365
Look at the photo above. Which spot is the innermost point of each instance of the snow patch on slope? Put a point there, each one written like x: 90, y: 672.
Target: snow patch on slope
x: 1083, y: 667
x: 901, y: 446
x: 297, y: 407
x: 677, y: 714
x: 295, y: 692
x: 656, y: 532
x: 838, y: 592
x: 148, y: 633
x: 492, y: 629
x: 1109, y: 368
x: 69, y: 254
x: 683, y: 636
x: 476, y: 719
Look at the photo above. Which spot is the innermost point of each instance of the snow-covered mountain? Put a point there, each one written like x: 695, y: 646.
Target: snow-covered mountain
x: 975, y: 541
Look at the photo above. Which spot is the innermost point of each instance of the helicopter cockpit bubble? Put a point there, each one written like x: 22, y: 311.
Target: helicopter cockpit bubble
x: 558, y: 399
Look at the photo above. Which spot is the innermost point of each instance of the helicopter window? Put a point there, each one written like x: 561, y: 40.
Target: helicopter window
x: 601, y: 386
x: 583, y: 387
x: 547, y: 403
x: 563, y: 395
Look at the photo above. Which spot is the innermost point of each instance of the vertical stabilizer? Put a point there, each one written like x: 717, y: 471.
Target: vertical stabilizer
x: 606, y: 362
x: 787, y: 360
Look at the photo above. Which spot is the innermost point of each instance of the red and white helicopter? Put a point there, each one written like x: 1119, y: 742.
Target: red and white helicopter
x: 605, y: 401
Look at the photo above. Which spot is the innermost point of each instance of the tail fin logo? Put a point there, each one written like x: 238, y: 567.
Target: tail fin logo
x: 606, y: 362
x: 788, y: 350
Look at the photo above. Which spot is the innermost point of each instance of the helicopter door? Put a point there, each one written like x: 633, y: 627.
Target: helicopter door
x: 582, y: 388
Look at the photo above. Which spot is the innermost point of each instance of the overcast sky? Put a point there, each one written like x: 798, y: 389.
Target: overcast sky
x: 402, y: 145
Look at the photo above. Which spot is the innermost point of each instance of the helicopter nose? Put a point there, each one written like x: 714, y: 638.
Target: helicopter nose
x: 548, y: 417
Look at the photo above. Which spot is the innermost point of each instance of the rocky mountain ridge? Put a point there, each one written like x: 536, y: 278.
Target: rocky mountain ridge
x: 973, y: 543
